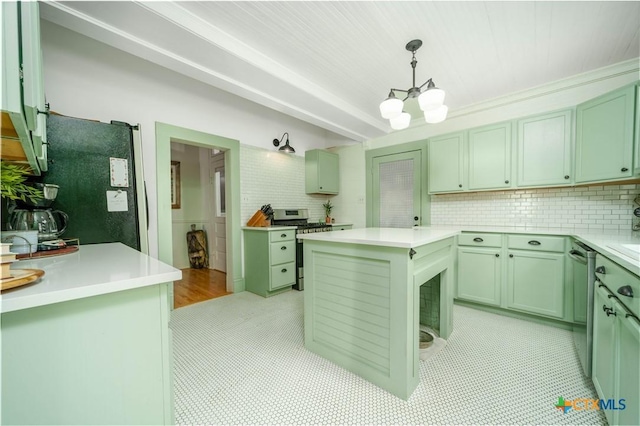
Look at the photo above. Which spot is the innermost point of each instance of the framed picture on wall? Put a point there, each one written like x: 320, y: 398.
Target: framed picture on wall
x: 175, y: 184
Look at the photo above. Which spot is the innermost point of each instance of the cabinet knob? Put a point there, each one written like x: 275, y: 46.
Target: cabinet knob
x: 283, y: 235
x: 320, y: 187
x: 497, y: 255
x: 566, y: 176
x: 510, y: 255
x: 283, y: 270
x: 624, y: 169
x: 460, y: 186
x: 506, y: 181
x: 416, y: 218
x: 283, y: 248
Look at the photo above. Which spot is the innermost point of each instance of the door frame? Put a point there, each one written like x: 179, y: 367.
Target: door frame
x: 425, y: 202
x: 165, y: 134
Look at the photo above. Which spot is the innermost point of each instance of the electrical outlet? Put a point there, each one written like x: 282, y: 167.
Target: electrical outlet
x: 360, y: 200
x: 245, y: 199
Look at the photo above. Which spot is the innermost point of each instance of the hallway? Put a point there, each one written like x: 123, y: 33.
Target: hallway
x: 198, y: 285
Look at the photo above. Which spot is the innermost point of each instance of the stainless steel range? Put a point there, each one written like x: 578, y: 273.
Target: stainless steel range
x: 300, y: 219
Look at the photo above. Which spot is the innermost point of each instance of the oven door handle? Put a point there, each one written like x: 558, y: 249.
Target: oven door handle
x: 578, y: 257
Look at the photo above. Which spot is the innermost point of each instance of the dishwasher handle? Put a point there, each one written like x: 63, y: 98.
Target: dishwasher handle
x: 578, y: 257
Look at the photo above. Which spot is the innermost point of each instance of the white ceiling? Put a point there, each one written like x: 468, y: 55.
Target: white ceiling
x: 332, y: 63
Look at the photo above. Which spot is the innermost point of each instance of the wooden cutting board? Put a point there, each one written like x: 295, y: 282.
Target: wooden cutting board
x: 20, y: 277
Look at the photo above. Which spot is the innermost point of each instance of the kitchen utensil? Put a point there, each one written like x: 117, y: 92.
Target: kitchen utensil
x: 52, y: 245
x: 41, y: 220
x: 21, y: 241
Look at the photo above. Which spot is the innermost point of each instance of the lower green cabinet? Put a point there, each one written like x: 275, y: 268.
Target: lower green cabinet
x: 604, y: 336
x: 479, y: 275
x: 535, y: 282
x: 628, y: 361
x: 270, y: 260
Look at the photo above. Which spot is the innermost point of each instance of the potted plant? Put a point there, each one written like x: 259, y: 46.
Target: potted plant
x: 327, y: 210
x: 12, y: 185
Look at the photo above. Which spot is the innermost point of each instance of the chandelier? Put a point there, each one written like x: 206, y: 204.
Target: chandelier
x: 431, y: 101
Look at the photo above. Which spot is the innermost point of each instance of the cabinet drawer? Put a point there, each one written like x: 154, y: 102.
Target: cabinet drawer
x: 275, y: 236
x: 480, y: 240
x: 616, y: 277
x: 535, y: 242
x: 283, y: 275
x: 283, y: 252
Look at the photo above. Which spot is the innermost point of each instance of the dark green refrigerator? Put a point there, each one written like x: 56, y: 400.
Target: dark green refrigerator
x: 98, y: 169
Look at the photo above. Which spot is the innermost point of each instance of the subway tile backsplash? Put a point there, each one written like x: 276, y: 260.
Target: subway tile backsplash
x: 270, y: 177
x: 597, y: 207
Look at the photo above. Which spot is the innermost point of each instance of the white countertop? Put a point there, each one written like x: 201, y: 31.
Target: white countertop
x: 388, y: 237
x: 414, y: 237
x: 91, y: 271
x: 268, y: 228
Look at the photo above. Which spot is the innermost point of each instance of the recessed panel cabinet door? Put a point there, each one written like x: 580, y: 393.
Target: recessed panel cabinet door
x: 604, y: 338
x: 636, y: 169
x: 628, y: 367
x: 445, y: 163
x: 544, y: 149
x: 479, y: 275
x: 604, y: 136
x: 490, y: 157
x: 536, y: 282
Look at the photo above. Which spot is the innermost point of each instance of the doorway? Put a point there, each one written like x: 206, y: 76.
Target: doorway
x: 165, y: 134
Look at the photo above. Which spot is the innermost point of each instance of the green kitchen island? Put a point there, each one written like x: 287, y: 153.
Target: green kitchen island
x: 362, y: 299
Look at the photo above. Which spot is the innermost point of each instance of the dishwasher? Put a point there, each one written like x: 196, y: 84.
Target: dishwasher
x: 584, y: 264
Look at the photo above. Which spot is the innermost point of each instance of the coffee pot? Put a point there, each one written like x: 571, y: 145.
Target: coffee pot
x: 41, y: 220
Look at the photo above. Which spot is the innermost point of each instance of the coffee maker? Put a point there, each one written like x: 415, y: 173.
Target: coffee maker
x: 38, y: 216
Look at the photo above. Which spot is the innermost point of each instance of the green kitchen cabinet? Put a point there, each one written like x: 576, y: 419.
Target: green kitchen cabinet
x: 446, y: 163
x: 535, y: 282
x: 628, y: 363
x: 23, y: 125
x: 604, y: 136
x: 490, y: 157
x: 479, y: 275
x: 270, y: 260
x: 544, y: 149
x: 604, y: 351
x: 341, y: 227
x: 321, y: 172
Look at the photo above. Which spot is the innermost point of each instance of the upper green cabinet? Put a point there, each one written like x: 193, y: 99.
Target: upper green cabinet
x: 604, y: 136
x: 490, y: 157
x: 321, y: 172
x: 446, y: 163
x: 544, y: 149
x: 23, y: 104
x: 636, y: 160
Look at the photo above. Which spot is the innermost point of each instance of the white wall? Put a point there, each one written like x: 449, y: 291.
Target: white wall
x: 88, y: 79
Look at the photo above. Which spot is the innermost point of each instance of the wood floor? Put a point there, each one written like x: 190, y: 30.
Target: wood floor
x: 198, y: 285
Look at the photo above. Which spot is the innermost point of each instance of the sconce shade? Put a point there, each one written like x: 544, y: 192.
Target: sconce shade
x: 401, y: 121
x: 287, y: 149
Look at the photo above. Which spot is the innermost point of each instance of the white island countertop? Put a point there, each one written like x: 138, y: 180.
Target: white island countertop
x: 93, y: 270
x: 387, y: 237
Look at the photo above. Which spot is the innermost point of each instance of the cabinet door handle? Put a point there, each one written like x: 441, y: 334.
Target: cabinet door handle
x: 534, y: 243
x: 600, y: 270
x: 283, y: 248
x: 497, y: 255
x: 510, y: 255
x: 626, y: 290
x: 506, y: 181
x: 460, y: 186
x: 284, y: 270
x: 416, y: 218
x: 624, y: 169
x: 566, y: 176
x: 478, y: 240
x: 283, y: 235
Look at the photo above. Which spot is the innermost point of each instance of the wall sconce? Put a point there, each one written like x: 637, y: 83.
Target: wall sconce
x: 287, y: 149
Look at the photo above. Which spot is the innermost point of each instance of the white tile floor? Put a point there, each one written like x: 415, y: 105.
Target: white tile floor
x: 240, y: 359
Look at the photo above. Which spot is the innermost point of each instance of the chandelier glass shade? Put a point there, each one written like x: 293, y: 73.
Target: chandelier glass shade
x: 431, y: 101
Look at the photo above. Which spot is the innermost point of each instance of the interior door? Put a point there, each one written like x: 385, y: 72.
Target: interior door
x: 219, y: 244
x: 397, y: 181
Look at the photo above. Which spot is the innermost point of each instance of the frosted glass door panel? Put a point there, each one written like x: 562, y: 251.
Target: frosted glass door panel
x: 396, y: 190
